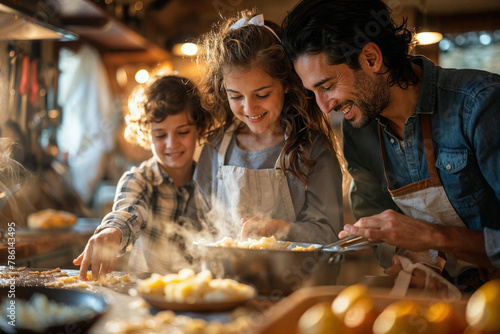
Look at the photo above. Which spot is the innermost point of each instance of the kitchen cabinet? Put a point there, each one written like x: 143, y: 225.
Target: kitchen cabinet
x: 86, y: 20
x: 118, y: 43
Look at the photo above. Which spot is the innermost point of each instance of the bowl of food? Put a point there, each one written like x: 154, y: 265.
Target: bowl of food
x: 48, y: 310
x: 273, y: 267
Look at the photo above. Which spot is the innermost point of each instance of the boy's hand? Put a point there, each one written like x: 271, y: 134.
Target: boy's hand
x: 101, y: 251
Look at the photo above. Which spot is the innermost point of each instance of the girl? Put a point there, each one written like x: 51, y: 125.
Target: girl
x: 155, y: 201
x: 270, y: 167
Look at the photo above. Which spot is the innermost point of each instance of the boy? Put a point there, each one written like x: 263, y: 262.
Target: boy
x: 155, y: 200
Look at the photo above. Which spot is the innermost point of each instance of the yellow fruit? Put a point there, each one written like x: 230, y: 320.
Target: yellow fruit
x: 348, y: 297
x: 443, y: 319
x: 483, y: 308
x: 319, y: 319
x: 360, y: 317
x: 403, y: 316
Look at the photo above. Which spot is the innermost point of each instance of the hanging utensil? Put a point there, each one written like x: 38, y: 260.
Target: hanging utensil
x: 34, y: 82
x: 37, y: 104
x: 12, y: 81
x: 23, y: 90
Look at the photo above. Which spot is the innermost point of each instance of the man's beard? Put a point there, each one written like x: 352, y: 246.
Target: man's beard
x: 371, y: 96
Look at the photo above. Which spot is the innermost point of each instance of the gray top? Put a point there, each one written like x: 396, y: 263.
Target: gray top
x: 318, y: 208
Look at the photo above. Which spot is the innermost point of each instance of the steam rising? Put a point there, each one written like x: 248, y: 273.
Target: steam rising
x: 12, y: 173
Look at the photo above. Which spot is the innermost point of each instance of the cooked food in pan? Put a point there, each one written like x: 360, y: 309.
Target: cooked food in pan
x: 262, y: 243
x: 75, y: 282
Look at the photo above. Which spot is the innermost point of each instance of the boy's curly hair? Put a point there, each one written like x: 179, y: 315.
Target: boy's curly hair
x: 162, y: 97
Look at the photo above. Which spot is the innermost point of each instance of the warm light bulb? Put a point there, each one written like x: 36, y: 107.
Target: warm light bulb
x: 426, y: 38
x: 142, y: 76
x: 189, y: 49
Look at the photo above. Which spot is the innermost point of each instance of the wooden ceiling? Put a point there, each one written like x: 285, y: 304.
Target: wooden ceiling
x: 158, y: 24
x: 179, y: 19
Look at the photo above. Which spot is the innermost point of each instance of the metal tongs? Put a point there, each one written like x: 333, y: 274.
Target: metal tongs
x: 350, y: 243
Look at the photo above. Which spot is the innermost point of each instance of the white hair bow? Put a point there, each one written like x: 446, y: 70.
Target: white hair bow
x: 257, y: 20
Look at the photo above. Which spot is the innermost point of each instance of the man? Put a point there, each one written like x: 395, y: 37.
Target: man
x: 420, y: 142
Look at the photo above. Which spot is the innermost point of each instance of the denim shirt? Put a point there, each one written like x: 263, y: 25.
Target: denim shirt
x: 464, y: 109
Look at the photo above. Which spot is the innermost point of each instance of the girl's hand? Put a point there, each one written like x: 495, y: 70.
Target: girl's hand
x: 257, y: 227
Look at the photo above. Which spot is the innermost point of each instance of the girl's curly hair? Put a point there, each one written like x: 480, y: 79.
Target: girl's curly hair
x: 257, y: 46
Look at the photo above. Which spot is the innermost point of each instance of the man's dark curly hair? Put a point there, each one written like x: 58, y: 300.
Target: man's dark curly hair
x: 341, y: 28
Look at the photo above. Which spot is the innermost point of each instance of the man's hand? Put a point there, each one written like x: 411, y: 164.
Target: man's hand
x: 395, y: 229
x: 416, y: 235
x: 101, y: 252
x: 256, y: 227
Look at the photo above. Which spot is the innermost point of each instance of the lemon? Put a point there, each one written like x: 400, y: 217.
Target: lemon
x: 443, y: 319
x: 319, y: 319
x: 403, y: 316
x: 348, y: 297
x: 359, y: 317
x: 483, y: 308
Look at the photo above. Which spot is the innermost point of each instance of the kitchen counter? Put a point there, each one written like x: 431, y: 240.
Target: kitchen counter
x: 127, y: 313
x: 32, y: 246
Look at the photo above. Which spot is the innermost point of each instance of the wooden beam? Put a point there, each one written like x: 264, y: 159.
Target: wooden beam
x: 451, y: 24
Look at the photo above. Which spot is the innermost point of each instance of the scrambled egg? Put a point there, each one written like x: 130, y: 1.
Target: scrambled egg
x: 262, y: 243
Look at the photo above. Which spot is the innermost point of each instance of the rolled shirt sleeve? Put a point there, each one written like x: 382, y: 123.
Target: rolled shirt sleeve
x: 130, y: 208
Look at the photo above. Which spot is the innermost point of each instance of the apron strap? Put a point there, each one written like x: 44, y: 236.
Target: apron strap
x: 433, y: 180
x: 382, y: 153
x: 279, y: 172
x: 226, y: 139
x: 429, y: 148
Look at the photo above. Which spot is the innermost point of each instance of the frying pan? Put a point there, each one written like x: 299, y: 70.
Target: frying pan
x: 69, y: 297
x: 276, y: 272
x: 280, y: 271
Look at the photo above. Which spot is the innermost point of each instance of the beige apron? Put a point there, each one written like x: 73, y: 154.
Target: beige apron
x: 426, y: 199
x: 243, y: 192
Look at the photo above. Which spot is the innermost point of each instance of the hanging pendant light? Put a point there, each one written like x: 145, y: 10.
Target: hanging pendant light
x: 426, y: 33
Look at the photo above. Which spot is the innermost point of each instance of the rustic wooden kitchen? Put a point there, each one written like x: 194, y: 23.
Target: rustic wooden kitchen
x: 67, y: 71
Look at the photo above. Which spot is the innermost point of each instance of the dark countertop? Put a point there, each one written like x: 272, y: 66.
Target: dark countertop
x: 36, y: 242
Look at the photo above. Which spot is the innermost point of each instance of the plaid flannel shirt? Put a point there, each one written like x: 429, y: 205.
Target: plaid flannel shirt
x: 147, y: 205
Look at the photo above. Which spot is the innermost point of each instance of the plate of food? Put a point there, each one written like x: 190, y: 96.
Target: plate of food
x: 190, y: 292
x: 45, y: 310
